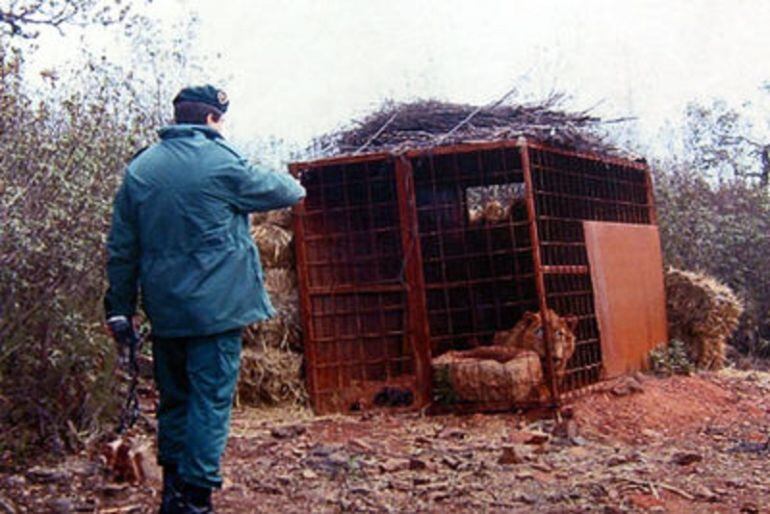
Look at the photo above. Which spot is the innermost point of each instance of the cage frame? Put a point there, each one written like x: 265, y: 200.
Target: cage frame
x: 418, y: 326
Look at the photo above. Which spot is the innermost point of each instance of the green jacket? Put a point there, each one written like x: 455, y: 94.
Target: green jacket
x: 180, y: 234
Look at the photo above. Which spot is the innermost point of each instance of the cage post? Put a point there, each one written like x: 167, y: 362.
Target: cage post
x: 304, y: 297
x: 539, y: 273
x: 417, y: 312
x: 652, y: 213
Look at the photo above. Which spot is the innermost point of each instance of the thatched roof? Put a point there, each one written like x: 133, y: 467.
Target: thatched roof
x: 428, y: 123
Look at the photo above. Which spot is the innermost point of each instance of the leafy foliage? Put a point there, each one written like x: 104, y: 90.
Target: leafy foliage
x: 671, y: 359
x: 62, y: 152
x: 60, y: 161
x: 722, y: 229
x: 24, y: 18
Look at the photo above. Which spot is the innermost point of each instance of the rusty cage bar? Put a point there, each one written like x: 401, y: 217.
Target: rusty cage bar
x: 397, y: 264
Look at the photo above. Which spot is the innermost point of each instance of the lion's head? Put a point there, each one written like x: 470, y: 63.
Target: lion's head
x: 528, y: 334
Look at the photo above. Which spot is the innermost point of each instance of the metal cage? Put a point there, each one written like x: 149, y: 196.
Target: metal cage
x: 395, y: 267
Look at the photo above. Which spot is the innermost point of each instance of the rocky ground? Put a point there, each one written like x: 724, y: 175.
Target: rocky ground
x: 642, y: 444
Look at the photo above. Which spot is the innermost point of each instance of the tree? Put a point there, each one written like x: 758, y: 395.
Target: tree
x: 25, y: 18
x: 720, y: 144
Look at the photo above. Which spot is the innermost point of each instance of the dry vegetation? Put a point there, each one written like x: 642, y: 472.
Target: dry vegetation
x: 425, y: 123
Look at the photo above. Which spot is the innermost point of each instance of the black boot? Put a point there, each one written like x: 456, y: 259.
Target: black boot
x: 196, y: 500
x: 170, y: 502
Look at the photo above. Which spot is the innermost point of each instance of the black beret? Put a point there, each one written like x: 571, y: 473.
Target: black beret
x: 204, y: 94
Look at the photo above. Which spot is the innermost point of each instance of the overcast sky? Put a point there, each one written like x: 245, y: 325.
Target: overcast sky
x: 299, y: 68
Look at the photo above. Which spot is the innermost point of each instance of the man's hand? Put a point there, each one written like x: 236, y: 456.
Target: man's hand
x: 119, y: 329
x: 135, y: 321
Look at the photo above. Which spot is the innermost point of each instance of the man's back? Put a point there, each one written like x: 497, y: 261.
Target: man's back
x: 186, y: 201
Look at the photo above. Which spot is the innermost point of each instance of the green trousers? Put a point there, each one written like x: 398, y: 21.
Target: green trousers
x: 196, y: 379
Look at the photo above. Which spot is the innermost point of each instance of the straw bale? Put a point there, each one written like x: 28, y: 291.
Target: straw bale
x: 281, y: 217
x: 703, y: 313
x: 489, y: 380
x: 270, y: 376
x: 274, y: 245
x: 284, y: 330
x: 258, y: 218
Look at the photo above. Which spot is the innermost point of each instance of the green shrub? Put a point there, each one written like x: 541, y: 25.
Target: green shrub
x: 722, y: 229
x: 61, y: 156
x: 671, y: 359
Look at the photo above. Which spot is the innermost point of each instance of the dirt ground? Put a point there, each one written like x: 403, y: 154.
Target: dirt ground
x: 693, y: 444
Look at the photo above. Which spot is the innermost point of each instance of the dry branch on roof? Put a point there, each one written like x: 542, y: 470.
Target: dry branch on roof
x: 426, y: 123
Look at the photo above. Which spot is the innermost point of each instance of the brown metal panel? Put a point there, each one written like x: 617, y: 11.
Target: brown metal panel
x: 549, y: 375
x: 627, y: 277
x: 419, y: 330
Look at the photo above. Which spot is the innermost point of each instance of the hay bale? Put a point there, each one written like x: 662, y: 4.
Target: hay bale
x: 703, y: 313
x: 274, y: 245
x: 488, y: 380
x: 281, y: 217
x: 258, y: 218
x: 284, y: 331
x: 270, y: 376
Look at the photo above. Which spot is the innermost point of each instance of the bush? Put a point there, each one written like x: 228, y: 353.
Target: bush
x: 61, y: 157
x: 722, y: 229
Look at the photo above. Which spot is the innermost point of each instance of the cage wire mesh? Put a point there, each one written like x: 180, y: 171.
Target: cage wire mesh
x: 404, y: 258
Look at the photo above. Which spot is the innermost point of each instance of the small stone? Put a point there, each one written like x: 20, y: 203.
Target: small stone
x: 15, y: 481
x: 394, y: 465
x: 526, y: 498
x: 6, y: 507
x: 287, y: 432
x: 451, y: 462
x: 626, y: 386
x: 309, y: 474
x: 60, y: 506
x: 509, y: 456
x: 686, y: 458
x: 537, y: 438
x: 701, y: 491
x: 652, y: 434
x: 416, y: 464
x: 454, y: 434
x: 321, y: 450
x: 46, y: 475
x: 545, y: 468
x: 113, y: 490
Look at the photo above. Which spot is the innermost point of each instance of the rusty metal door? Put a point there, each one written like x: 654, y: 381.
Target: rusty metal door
x: 353, y: 276
x: 627, y: 276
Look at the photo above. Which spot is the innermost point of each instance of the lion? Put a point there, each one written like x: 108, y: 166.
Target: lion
x: 528, y: 335
x: 511, y: 368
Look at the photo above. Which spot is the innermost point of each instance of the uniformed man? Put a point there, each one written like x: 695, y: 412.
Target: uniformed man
x: 180, y: 236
